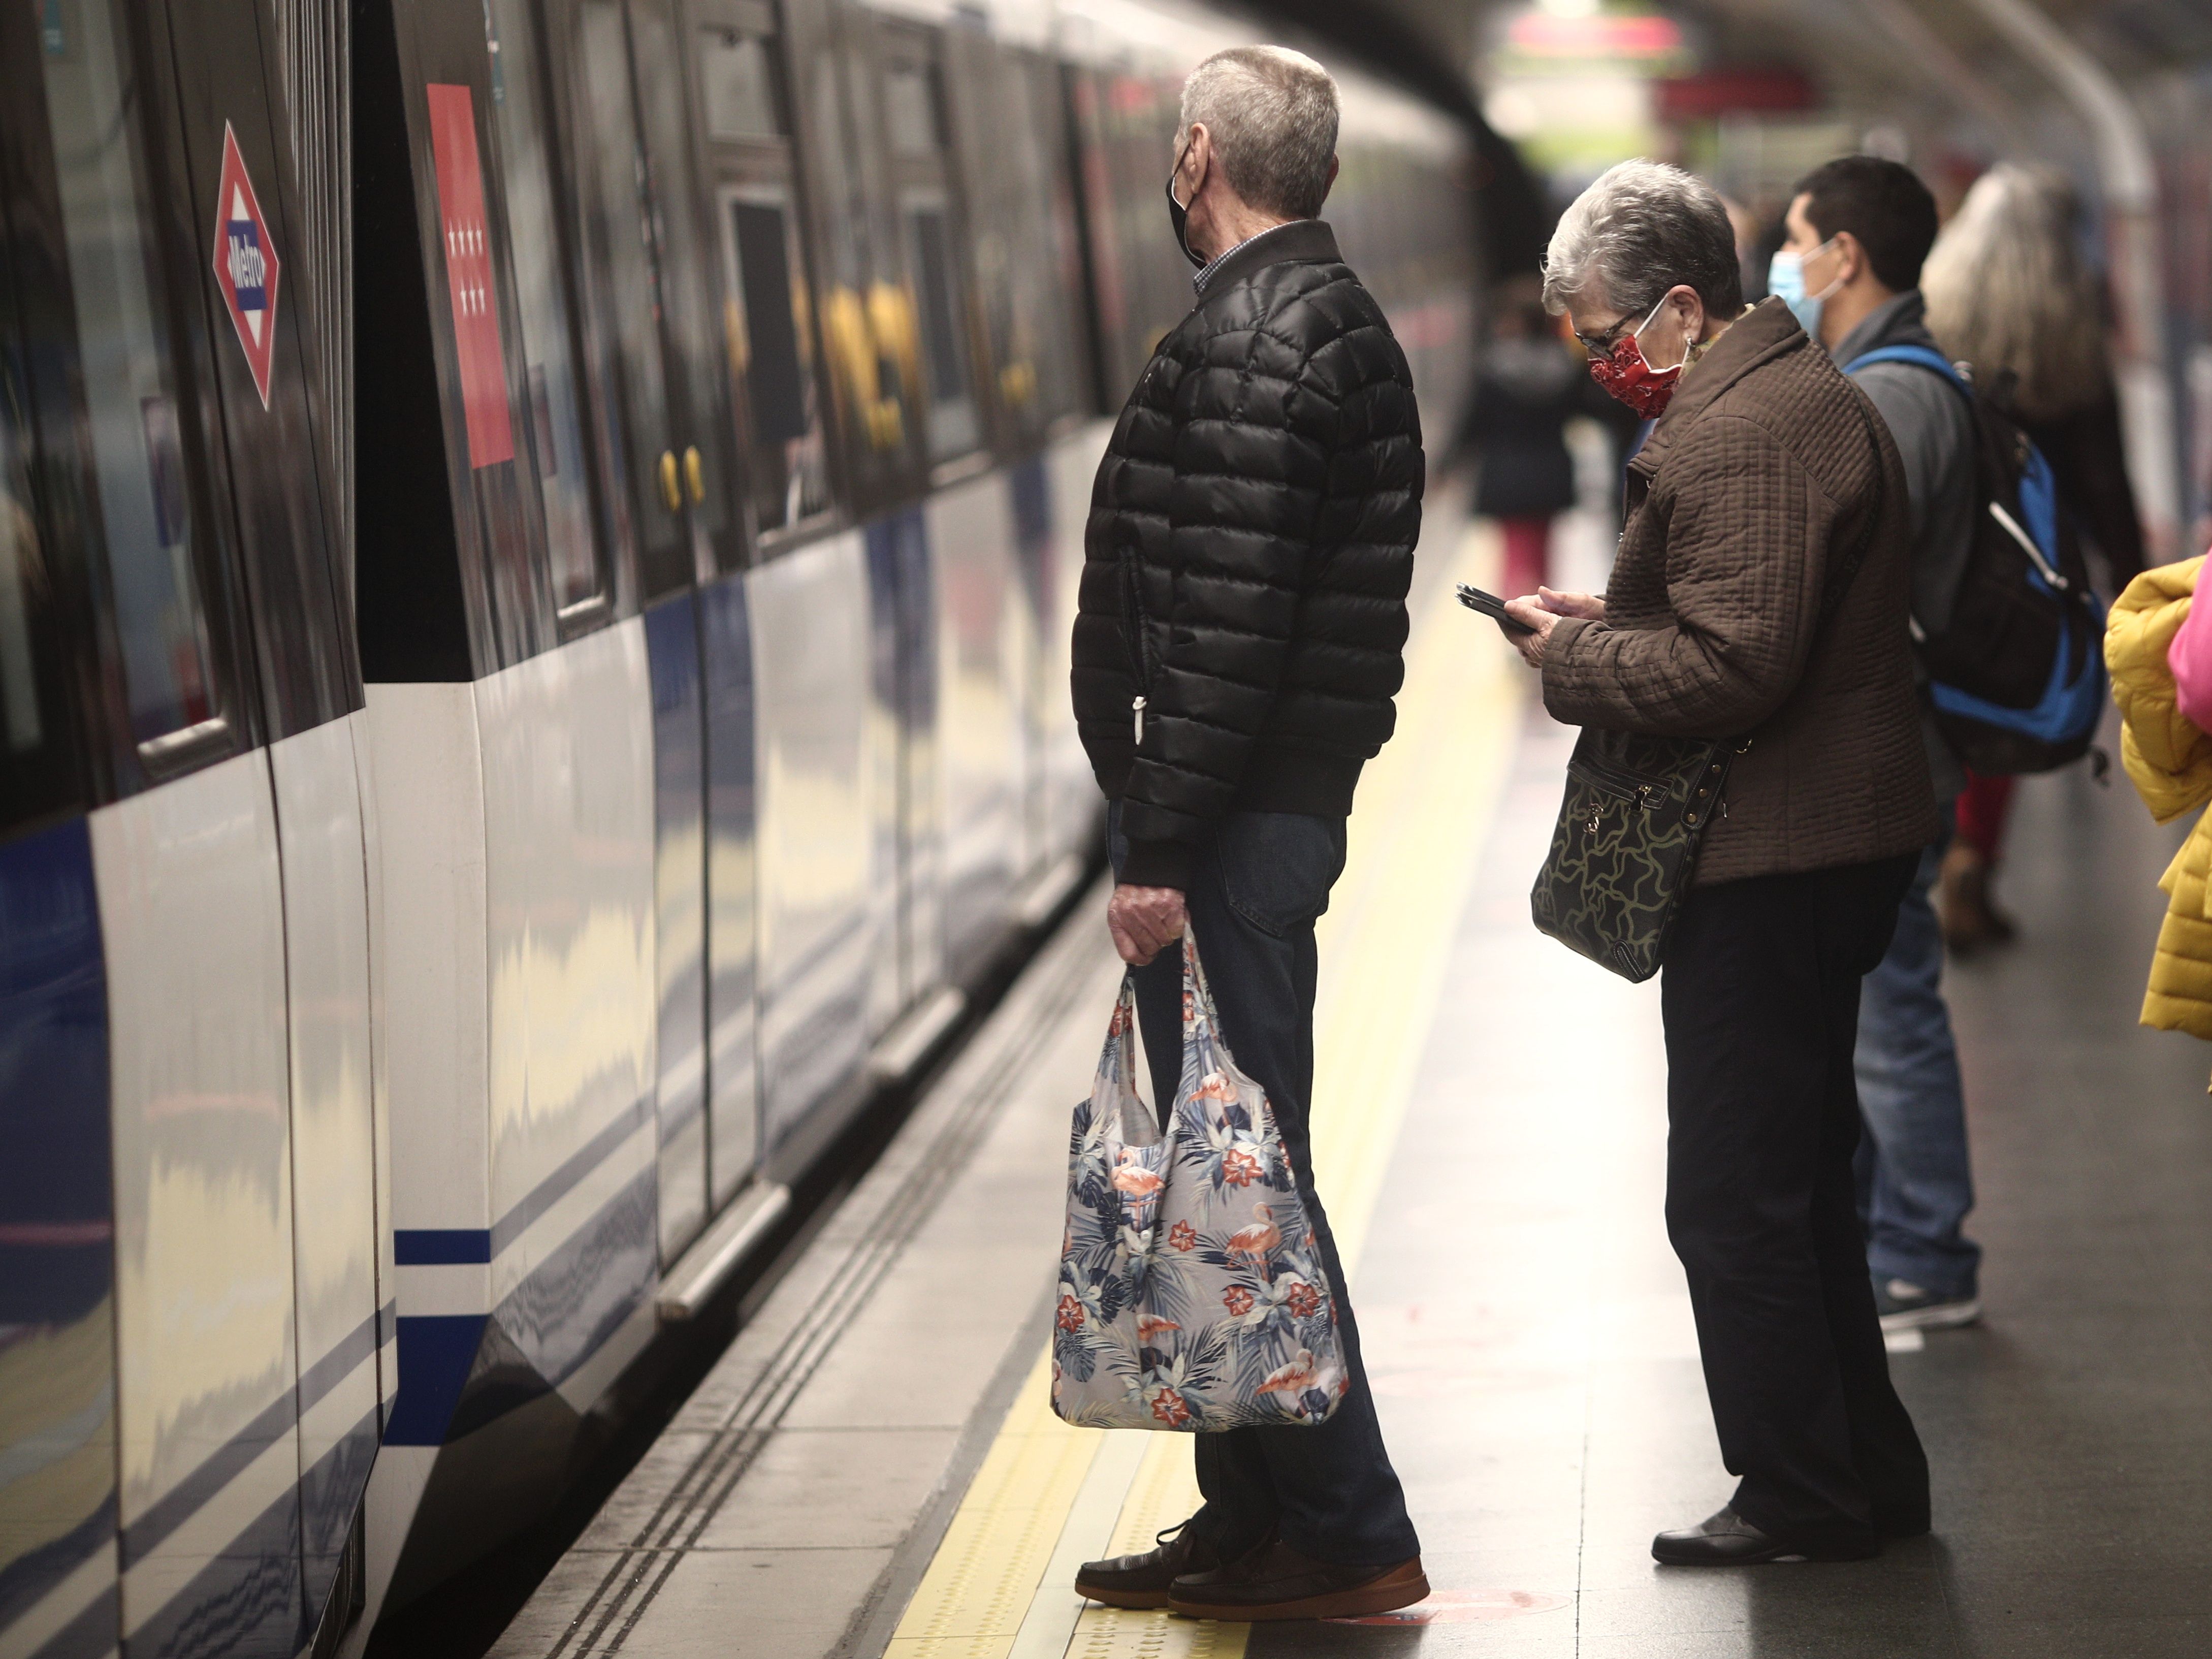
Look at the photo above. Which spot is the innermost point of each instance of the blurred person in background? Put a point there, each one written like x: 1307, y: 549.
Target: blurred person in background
x: 2008, y: 291
x: 1858, y: 230
x: 1761, y: 597
x: 1529, y: 385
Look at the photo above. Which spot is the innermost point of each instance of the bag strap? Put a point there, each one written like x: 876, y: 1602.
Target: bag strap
x: 1198, y: 997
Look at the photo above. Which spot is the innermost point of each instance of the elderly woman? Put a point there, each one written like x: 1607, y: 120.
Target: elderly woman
x: 1761, y: 595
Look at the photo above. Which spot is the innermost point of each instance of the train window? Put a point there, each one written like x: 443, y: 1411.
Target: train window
x: 137, y: 462
x: 546, y: 313
x: 691, y: 320
x: 914, y: 133
x: 866, y: 317
x: 634, y: 290
x: 952, y: 424
x: 770, y: 324
x: 761, y: 250
x: 1027, y: 264
x: 22, y: 576
x: 910, y: 109
x: 740, y: 86
x: 36, y: 770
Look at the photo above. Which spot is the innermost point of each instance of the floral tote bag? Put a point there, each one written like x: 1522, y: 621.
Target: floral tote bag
x: 1191, y: 1293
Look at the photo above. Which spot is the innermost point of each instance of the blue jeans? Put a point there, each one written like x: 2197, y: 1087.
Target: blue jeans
x: 1260, y: 881
x: 1915, y: 1185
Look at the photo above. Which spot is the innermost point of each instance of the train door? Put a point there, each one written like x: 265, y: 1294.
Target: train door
x: 746, y: 112
x: 632, y: 78
x: 183, y: 535
x: 963, y: 794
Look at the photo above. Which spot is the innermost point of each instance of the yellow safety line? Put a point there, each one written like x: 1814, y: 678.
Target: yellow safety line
x: 1000, y: 1586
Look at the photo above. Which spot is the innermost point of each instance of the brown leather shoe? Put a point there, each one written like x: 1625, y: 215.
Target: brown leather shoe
x: 1275, y: 1582
x: 1142, y: 1581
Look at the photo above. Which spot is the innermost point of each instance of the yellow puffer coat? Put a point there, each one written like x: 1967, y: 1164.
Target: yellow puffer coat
x: 2170, y: 763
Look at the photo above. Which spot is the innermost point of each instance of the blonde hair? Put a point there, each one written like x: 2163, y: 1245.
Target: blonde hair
x: 2006, y: 291
x: 1273, y: 113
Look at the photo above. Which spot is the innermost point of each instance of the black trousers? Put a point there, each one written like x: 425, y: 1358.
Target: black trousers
x: 1760, y: 1003
x: 1328, y: 1491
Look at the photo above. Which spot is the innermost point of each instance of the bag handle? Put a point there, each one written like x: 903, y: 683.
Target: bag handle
x: 1198, y: 1003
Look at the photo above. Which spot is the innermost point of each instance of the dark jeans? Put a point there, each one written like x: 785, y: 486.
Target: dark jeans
x: 1328, y: 1491
x: 1760, y: 1002
x: 1915, y: 1183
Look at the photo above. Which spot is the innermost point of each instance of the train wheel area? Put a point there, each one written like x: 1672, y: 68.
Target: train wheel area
x: 874, y: 1467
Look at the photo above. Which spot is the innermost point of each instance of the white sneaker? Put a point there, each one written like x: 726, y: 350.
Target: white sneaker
x: 1904, y: 1306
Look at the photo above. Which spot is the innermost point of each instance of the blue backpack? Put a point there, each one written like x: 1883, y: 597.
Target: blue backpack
x: 2017, y: 675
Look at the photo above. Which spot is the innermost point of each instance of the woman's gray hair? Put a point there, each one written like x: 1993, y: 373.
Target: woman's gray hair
x: 1273, y: 114
x: 1639, y: 230
x: 2006, y: 291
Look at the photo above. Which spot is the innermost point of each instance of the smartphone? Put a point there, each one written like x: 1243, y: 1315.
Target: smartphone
x: 1492, y: 607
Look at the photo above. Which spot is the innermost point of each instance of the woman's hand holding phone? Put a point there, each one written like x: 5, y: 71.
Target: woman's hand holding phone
x: 1541, y: 611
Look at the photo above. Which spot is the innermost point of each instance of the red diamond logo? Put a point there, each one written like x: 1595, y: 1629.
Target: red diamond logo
x: 245, y: 264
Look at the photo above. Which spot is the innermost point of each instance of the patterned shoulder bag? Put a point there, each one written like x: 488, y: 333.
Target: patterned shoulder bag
x: 1636, y: 812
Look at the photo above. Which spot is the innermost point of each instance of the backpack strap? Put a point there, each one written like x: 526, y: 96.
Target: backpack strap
x: 1920, y: 356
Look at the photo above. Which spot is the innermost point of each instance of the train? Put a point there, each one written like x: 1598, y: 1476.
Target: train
x: 536, y: 545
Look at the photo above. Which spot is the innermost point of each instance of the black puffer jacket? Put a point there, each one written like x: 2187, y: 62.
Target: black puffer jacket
x: 1257, y: 509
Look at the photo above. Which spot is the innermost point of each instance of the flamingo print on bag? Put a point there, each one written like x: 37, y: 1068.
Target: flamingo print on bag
x: 1192, y: 1295
x: 1256, y: 1242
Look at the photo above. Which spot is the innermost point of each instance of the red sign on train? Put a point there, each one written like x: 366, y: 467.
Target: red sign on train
x: 245, y: 264
x: 469, y: 275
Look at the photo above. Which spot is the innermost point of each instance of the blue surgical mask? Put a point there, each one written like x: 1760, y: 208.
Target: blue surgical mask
x: 1785, y: 281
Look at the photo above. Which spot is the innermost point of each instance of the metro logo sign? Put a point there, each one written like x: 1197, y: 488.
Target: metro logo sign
x: 246, y: 264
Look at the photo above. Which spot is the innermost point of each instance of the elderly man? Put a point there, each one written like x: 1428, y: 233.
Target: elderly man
x: 1239, y: 638
x: 1761, y: 596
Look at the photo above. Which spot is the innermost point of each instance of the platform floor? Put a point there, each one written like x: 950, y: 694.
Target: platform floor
x: 872, y: 1467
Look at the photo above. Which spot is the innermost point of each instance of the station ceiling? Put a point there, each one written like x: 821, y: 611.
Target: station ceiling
x: 1847, y: 45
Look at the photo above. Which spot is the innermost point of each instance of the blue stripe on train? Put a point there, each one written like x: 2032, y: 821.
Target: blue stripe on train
x: 445, y: 1247
x: 460, y: 1372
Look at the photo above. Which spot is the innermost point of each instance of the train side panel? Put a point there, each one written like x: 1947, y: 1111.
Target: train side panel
x: 192, y: 925
x: 324, y: 864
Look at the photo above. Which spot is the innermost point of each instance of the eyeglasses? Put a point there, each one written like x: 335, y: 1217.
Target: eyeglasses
x: 1602, y: 345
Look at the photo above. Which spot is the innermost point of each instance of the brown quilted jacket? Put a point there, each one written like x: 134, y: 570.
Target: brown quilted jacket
x: 1763, y: 471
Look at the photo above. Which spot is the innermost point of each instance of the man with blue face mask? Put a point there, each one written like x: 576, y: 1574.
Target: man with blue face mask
x: 1858, y: 230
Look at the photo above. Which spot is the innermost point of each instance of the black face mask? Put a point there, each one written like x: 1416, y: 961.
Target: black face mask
x: 1179, y: 215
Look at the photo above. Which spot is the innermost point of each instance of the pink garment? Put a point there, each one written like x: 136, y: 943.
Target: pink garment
x: 2189, y: 658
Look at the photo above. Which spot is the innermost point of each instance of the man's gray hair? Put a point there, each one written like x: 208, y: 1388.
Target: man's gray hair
x: 1273, y: 114
x: 1640, y: 229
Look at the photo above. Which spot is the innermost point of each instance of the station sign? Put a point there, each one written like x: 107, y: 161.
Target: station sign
x: 246, y: 264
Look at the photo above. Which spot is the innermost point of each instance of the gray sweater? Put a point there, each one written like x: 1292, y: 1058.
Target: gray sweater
x: 1935, y: 435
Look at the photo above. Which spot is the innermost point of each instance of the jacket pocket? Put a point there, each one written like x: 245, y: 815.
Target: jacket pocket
x: 1132, y: 616
x: 1277, y: 867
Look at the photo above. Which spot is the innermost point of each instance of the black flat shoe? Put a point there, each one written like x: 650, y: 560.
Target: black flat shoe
x: 1725, y: 1539
x: 1142, y: 1581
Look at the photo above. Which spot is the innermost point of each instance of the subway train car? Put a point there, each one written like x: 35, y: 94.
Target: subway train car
x: 533, y: 612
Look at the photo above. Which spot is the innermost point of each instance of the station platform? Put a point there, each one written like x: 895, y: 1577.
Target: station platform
x: 872, y: 1467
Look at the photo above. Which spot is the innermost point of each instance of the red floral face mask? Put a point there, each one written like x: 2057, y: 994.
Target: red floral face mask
x: 1626, y: 376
